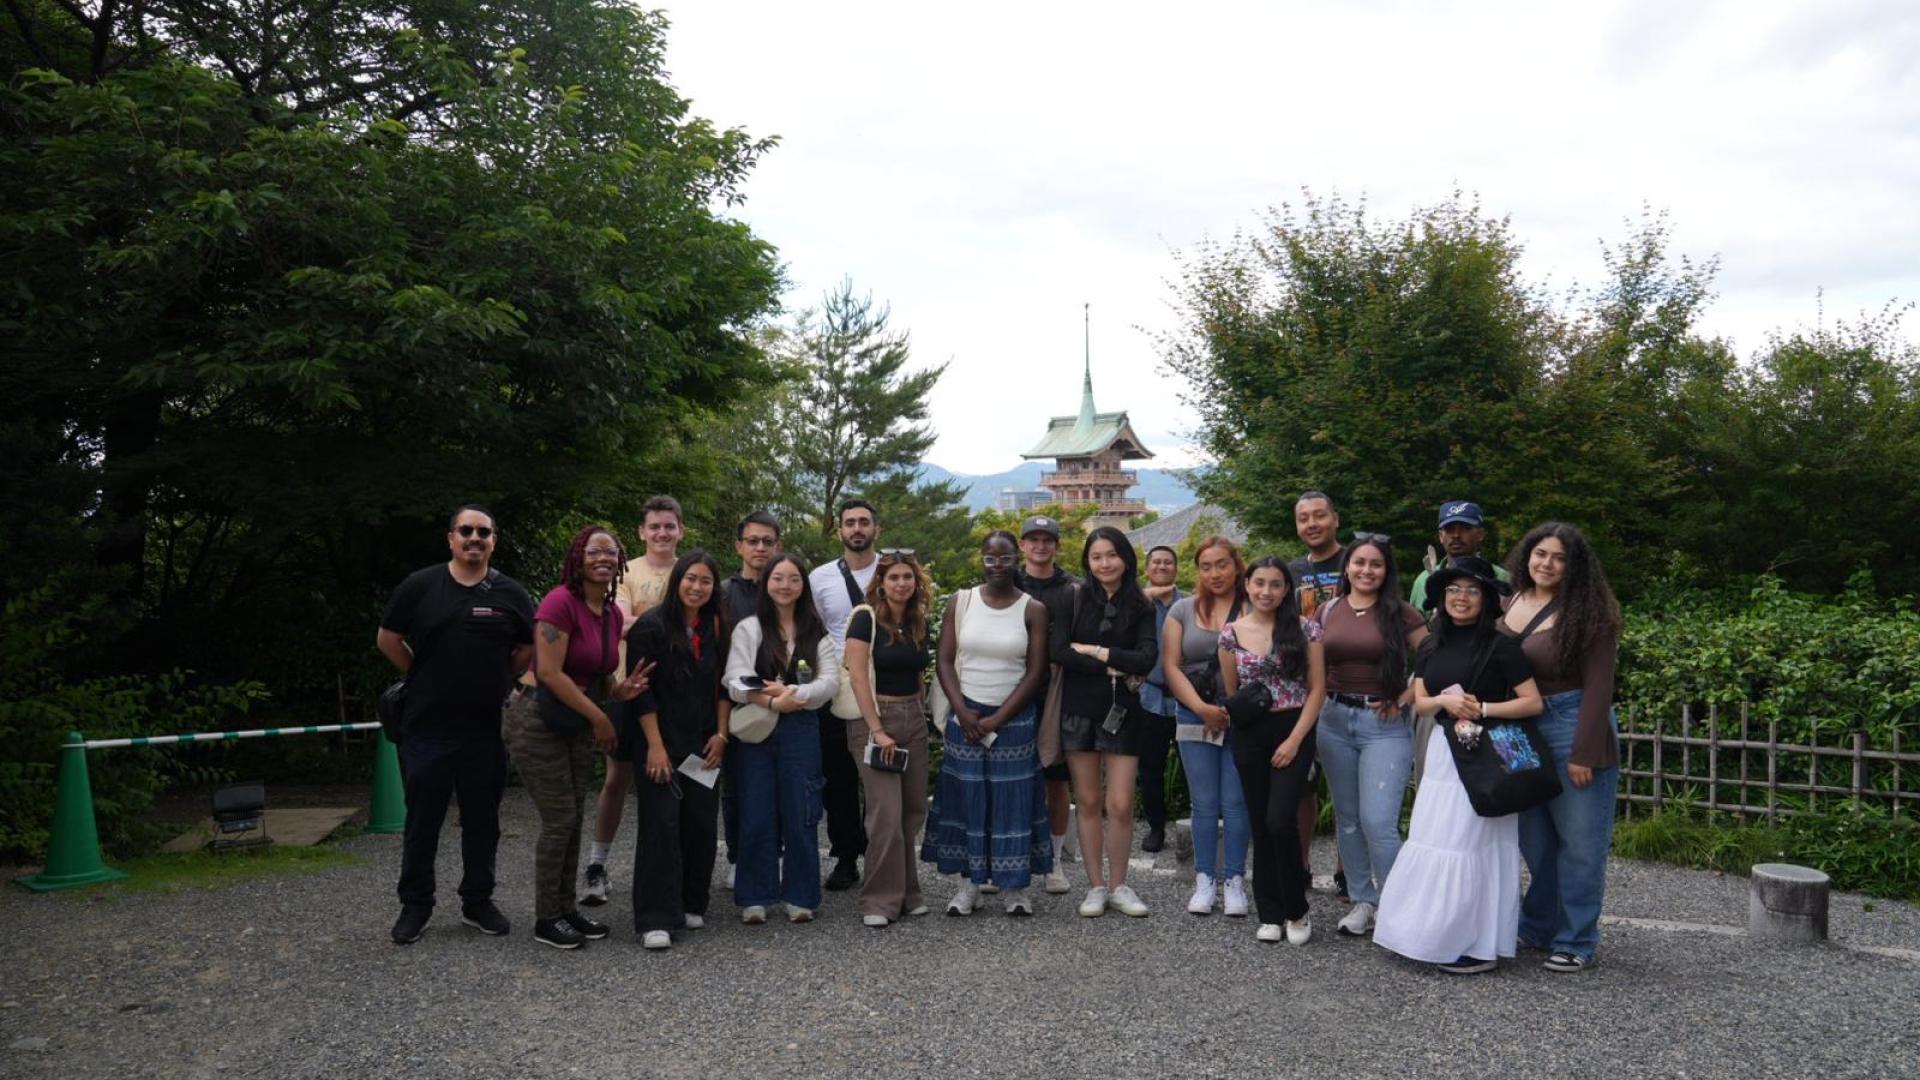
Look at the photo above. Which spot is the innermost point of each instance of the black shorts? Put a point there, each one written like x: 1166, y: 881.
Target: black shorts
x: 1056, y: 771
x: 1083, y: 734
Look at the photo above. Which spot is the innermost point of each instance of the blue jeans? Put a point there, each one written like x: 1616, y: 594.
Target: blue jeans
x: 1565, y: 843
x: 780, y: 782
x: 1213, y: 784
x: 1368, y: 761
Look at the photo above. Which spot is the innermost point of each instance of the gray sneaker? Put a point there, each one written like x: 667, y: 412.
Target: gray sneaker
x: 594, y: 892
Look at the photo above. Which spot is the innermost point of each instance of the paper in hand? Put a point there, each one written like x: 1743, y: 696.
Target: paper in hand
x: 696, y: 767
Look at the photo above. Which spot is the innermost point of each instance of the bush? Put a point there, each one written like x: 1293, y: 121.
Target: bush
x: 1867, y: 851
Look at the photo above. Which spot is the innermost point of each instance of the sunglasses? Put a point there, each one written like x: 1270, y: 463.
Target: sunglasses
x: 1372, y: 538
x: 903, y: 554
x: 999, y: 560
x: 481, y: 531
x: 1111, y: 612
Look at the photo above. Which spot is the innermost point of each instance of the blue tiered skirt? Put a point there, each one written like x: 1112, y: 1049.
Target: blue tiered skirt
x: 989, y: 819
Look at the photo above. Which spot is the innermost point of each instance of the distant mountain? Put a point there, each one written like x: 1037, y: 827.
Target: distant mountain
x: 1162, y: 489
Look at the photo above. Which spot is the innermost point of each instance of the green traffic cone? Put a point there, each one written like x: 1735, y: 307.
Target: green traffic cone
x: 73, y: 856
x: 389, y: 812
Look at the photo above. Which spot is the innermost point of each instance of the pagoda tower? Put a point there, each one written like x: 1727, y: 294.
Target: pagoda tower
x: 1089, y: 449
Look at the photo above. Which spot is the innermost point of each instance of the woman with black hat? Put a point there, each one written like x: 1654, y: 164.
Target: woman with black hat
x: 1454, y: 896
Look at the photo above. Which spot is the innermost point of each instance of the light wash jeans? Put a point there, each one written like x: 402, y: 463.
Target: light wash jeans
x: 1213, y: 785
x: 1565, y: 842
x: 1368, y: 761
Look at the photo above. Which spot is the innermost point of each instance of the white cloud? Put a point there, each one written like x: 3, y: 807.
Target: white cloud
x: 987, y: 169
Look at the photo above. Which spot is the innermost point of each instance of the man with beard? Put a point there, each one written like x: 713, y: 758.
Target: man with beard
x: 460, y: 631
x: 1462, y: 531
x: 839, y: 587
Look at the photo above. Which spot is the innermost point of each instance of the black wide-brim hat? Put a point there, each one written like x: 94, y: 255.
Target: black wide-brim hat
x: 1467, y: 566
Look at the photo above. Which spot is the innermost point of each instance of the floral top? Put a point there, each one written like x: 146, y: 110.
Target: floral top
x: 1264, y: 668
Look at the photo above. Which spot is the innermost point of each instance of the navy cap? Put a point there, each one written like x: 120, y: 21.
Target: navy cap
x: 1039, y: 523
x: 1462, y: 513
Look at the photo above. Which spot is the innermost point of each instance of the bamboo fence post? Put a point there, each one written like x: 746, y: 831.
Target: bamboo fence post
x: 1713, y: 759
x: 1859, y: 766
x: 1813, y: 770
x: 1896, y: 772
x: 1773, y: 760
x: 1626, y: 767
x: 1686, y: 749
x: 1743, y: 763
x: 1659, y: 768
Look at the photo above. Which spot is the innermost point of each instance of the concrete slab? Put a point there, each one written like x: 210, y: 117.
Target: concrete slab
x: 297, y: 826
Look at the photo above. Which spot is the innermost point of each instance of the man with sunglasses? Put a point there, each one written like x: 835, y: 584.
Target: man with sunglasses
x: 839, y: 587
x: 1462, y: 531
x: 1041, y: 578
x: 460, y: 631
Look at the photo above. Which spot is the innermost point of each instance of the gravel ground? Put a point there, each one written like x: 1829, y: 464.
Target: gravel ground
x: 294, y: 977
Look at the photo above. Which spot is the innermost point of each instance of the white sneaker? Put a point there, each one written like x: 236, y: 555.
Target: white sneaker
x: 695, y: 922
x: 753, y: 916
x: 799, y: 914
x: 1359, y: 920
x: 1056, y: 883
x: 1017, y: 902
x: 1299, y: 931
x: 964, y: 898
x: 1095, y: 905
x: 878, y: 922
x: 1128, y: 901
x: 917, y: 909
x: 1236, y: 901
x: 1270, y: 932
x: 657, y: 939
x: 1201, y: 902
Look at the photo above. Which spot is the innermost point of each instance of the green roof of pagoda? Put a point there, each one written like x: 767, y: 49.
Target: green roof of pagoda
x: 1090, y: 432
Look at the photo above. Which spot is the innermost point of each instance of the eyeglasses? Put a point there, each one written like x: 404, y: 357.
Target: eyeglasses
x: 1461, y: 589
x: 1372, y: 538
x: 602, y: 553
x: 903, y: 554
x: 481, y: 531
x: 999, y: 560
x: 760, y: 541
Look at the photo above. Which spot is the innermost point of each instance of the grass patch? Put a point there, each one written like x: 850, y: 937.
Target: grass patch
x: 221, y: 869
x: 1869, y: 851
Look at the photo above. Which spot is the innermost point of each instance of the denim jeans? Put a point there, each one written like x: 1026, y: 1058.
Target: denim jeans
x: 1367, y: 761
x: 780, y: 782
x: 1565, y: 843
x: 1213, y: 785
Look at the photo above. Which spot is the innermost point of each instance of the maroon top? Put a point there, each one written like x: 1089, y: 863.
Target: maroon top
x: 1594, y: 744
x: 1354, y: 646
x: 593, y: 641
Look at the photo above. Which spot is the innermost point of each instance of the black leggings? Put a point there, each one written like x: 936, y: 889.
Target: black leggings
x: 1273, y: 804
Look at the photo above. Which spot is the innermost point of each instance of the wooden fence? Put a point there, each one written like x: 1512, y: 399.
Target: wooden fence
x: 1697, y: 763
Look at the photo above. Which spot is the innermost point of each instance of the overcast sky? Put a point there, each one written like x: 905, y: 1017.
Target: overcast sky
x: 987, y: 168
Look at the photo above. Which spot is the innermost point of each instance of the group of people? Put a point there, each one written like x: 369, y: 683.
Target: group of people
x: 782, y: 694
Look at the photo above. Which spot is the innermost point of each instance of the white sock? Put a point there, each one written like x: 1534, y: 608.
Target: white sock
x: 1059, y: 842
x: 597, y: 854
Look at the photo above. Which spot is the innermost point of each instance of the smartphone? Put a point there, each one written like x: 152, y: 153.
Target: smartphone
x: 1116, y: 718
x: 753, y: 682
x: 894, y: 762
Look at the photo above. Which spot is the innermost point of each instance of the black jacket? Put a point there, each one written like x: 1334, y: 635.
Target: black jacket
x: 1129, y: 637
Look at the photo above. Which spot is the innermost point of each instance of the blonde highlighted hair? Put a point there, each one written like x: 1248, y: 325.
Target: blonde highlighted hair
x: 913, y: 628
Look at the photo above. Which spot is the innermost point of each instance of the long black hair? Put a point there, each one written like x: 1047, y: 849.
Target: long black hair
x: 1129, y: 591
x: 808, y: 630
x: 1481, y: 632
x: 1587, y: 608
x: 673, y: 611
x: 1389, y: 612
x: 1289, y: 637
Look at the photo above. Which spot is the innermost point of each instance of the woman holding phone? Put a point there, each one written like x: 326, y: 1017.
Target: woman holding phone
x: 782, y: 659
x: 887, y: 650
x: 682, y: 715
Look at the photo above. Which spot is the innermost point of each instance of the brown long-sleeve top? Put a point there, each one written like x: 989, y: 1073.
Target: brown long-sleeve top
x: 1594, y: 743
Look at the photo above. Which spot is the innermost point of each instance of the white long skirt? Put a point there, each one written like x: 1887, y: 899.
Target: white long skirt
x: 1455, y: 889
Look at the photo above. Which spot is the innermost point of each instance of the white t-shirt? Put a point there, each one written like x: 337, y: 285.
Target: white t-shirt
x: 830, y: 595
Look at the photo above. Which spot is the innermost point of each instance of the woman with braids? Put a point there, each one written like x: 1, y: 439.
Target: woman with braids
x: 1568, y: 624
x: 551, y: 733
x: 683, y: 714
x: 1276, y: 654
x: 1366, y: 728
x: 887, y: 650
x: 782, y: 659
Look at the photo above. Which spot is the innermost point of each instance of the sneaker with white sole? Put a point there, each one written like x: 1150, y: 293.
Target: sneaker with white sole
x: 656, y: 939
x: 1236, y: 897
x: 696, y: 922
x: 594, y: 892
x: 1467, y: 965
x: 799, y: 914
x: 1201, y: 902
x: 1299, y: 931
x: 917, y: 910
x: 1566, y: 963
x: 964, y: 898
x: 1128, y: 902
x: 1270, y: 933
x: 1359, y: 920
x: 1017, y: 902
x: 877, y: 922
x: 753, y: 915
x: 1095, y: 905
x: 1056, y: 883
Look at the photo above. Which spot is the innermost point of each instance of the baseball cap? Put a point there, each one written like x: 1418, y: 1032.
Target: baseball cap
x: 1465, y: 513
x: 1039, y: 523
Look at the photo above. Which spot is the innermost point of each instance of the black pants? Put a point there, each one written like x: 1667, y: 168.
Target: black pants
x: 846, y: 829
x: 1273, y: 805
x: 436, y: 769
x: 673, y: 853
x: 1156, y: 739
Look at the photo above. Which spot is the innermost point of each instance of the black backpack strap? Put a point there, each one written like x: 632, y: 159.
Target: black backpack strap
x: 1540, y: 617
x: 854, y: 596
x: 418, y: 644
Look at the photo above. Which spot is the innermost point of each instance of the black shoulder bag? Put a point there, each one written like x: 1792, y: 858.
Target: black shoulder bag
x: 390, y: 708
x: 1509, y: 767
x: 561, y: 718
x: 1204, y: 675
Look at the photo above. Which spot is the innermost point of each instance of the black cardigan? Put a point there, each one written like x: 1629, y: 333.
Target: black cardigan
x: 1133, y: 647
x: 685, y: 693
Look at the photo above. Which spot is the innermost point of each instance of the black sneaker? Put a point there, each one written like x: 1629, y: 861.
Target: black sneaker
x: 558, y: 933
x: 594, y: 892
x: 592, y: 931
x: 411, y: 924
x: 1339, y: 885
x: 1156, y: 839
x: 1466, y: 965
x: 1566, y: 963
x: 846, y: 874
x: 484, y: 917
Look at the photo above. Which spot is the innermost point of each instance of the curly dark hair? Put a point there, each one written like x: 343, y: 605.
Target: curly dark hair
x: 573, y: 569
x: 1588, y: 610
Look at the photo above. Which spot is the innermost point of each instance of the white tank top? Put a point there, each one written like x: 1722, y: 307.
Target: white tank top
x: 992, y: 648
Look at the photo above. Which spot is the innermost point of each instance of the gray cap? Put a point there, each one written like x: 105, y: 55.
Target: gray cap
x: 1040, y: 523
